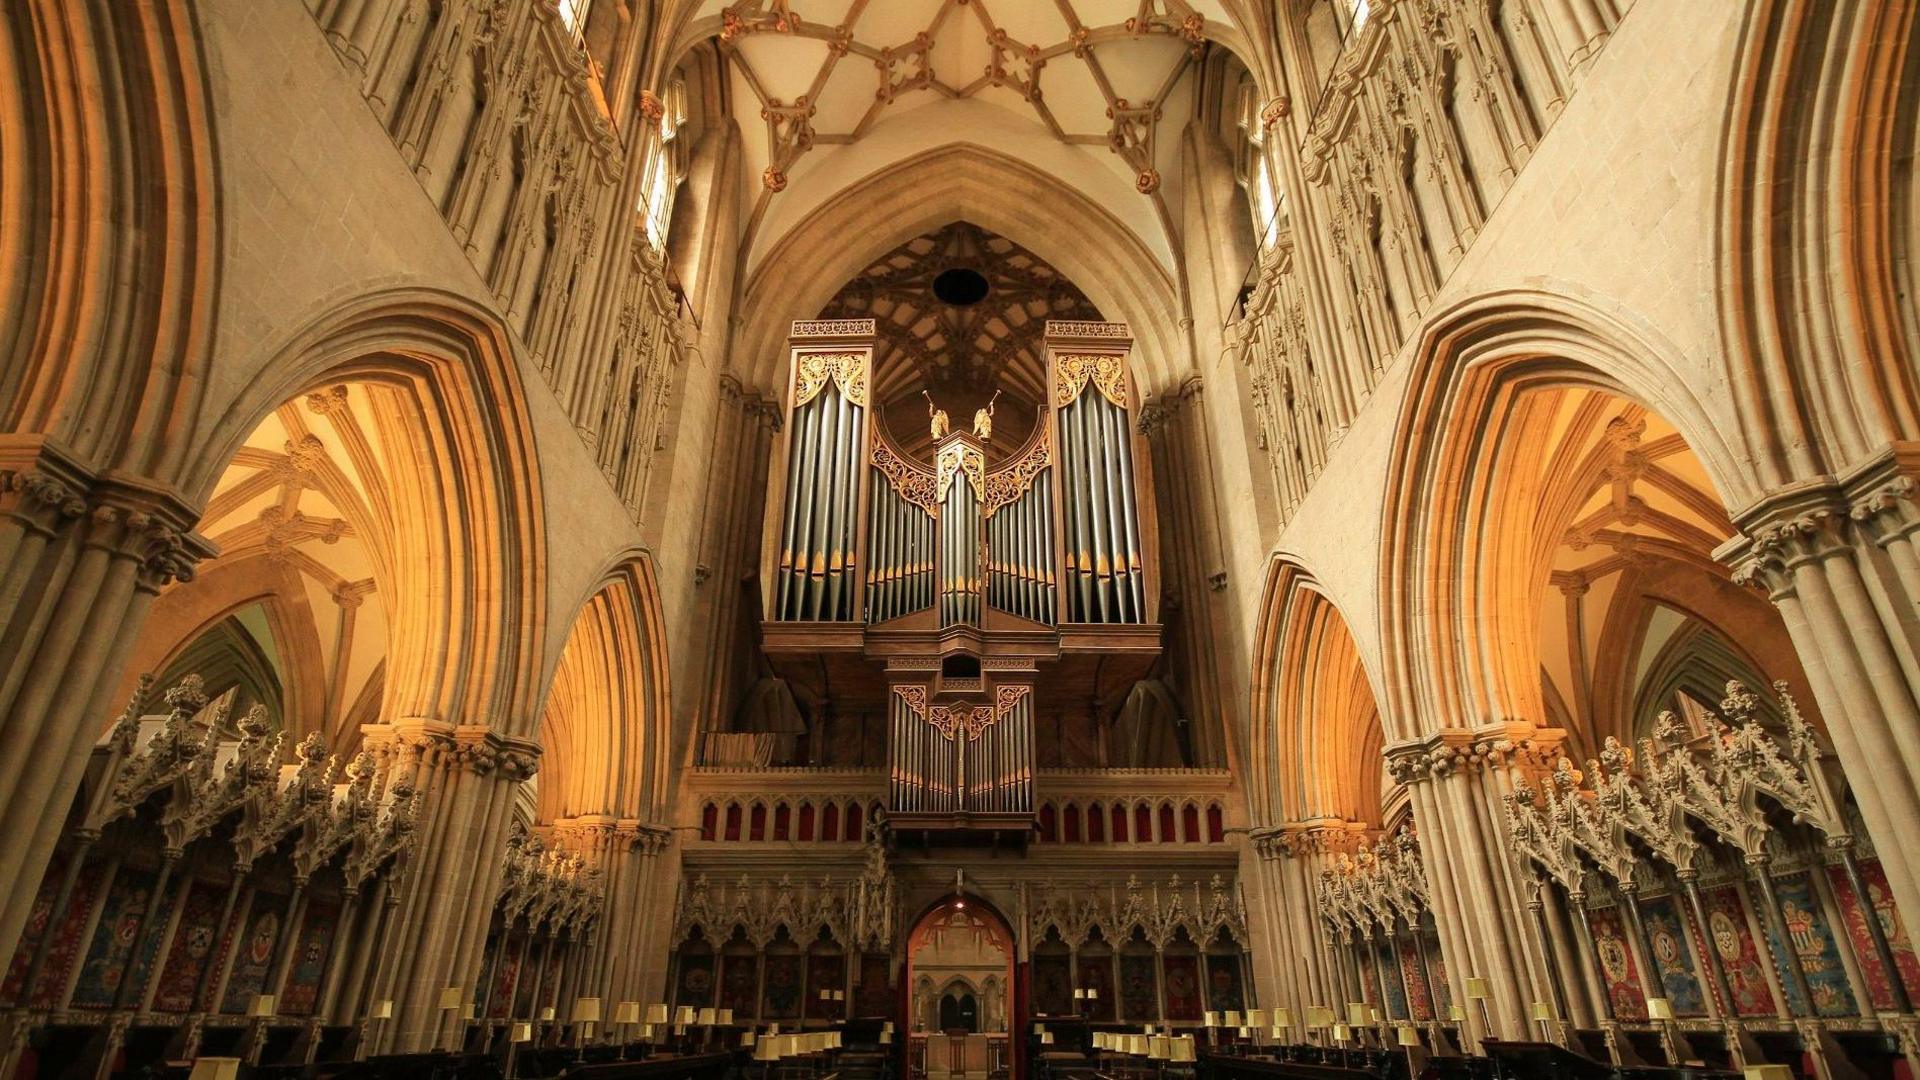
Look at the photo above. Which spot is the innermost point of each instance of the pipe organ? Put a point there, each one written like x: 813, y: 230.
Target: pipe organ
x: 962, y: 758
x: 936, y: 587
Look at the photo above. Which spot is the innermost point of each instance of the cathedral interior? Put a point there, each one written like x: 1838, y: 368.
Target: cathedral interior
x: 959, y: 539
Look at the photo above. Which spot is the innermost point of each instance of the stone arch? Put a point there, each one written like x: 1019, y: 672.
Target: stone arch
x: 466, y: 534
x: 107, y: 177
x: 1815, y: 233
x: 964, y: 182
x: 1317, y: 741
x: 606, y: 725
x: 1458, y: 566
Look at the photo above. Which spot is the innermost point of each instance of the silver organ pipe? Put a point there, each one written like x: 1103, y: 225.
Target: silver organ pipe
x: 960, y: 476
x: 900, y: 545
x: 962, y: 757
x: 1101, y: 517
x: 1019, y: 512
x: 817, y: 571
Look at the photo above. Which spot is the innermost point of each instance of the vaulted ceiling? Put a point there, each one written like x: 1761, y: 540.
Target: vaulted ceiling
x: 1093, y: 92
x: 952, y: 346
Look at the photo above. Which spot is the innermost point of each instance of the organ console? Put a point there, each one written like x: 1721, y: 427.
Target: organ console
x: 963, y: 591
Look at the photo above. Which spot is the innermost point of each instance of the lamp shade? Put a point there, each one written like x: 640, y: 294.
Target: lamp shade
x: 586, y: 1010
x: 774, y: 1029
x: 1340, y: 1033
x: 1046, y: 1038
x: 547, y: 1013
x: 1230, y: 1019
x: 627, y: 1012
x: 656, y: 1014
x: 450, y: 998
x: 1211, y: 1019
x: 1282, y: 1018
x: 382, y: 1010
x: 1357, y: 1013
x: 746, y: 1038
x: 1767, y: 1072
x: 1543, y: 1010
x: 839, y: 995
x: 215, y: 1068
x: 1183, y: 1048
x: 683, y: 1015
x: 1373, y: 1015
x: 767, y: 1050
x: 1457, y: 1013
x: 1160, y: 1048
x: 470, y: 1012
x: 522, y: 1032
x: 1278, y: 1034
x: 708, y: 1017
x: 261, y: 1006
x: 1079, y: 994
x: 1477, y: 990
x: 1659, y: 1009
x: 726, y: 1017
x: 1256, y: 1018
x: 1093, y: 993
x: 1409, y: 1035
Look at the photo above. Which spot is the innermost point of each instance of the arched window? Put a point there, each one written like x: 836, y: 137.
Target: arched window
x: 830, y: 822
x: 853, y: 831
x: 1167, y: 835
x: 1096, y: 824
x: 782, y: 821
x: 733, y: 821
x: 1142, y: 824
x: 709, y: 822
x: 1216, y: 825
x: 1190, y: 823
x: 665, y: 166
x: 1119, y: 824
x: 757, y: 822
x: 1046, y: 823
x: 1070, y: 827
x: 806, y: 822
x: 1254, y: 167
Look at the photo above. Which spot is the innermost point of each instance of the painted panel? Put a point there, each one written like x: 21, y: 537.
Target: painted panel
x: 1729, y: 935
x: 1673, y: 956
x: 1052, y: 983
x: 875, y: 992
x: 1139, y: 988
x: 696, y: 981
x: 38, y: 919
x: 1812, y: 941
x: 112, y: 946
x: 1618, y: 971
x: 1183, y: 987
x: 1224, y: 992
x: 1442, y: 989
x: 825, y: 971
x: 784, y: 983
x: 1096, y: 973
x: 506, y: 981
x: 1418, y: 996
x: 1891, y: 925
x: 193, y: 947
x: 1389, y: 965
x: 255, y: 952
x: 302, y: 989
x: 740, y: 984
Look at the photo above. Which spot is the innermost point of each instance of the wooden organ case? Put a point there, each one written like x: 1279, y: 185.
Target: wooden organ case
x: 968, y: 597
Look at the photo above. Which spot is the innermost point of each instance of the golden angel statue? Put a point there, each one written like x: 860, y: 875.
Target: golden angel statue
x: 937, y: 417
x: 983, y: 419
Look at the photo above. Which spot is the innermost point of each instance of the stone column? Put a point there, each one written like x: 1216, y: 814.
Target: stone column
x: 627, y: 963
x: 81, y: 558
x: 1837, y: 556
x: 1457, y: 779
x: 466, y: 777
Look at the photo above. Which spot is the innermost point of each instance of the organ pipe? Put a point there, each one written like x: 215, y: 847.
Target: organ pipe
x: 1101, y: 518
x: 817, y: 571
x: 962, y: 757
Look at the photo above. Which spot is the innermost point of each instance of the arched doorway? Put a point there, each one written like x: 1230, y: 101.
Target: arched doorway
x: 959, y: 1011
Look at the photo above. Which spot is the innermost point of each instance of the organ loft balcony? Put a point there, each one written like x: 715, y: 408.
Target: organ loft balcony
x: 961, y: 576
